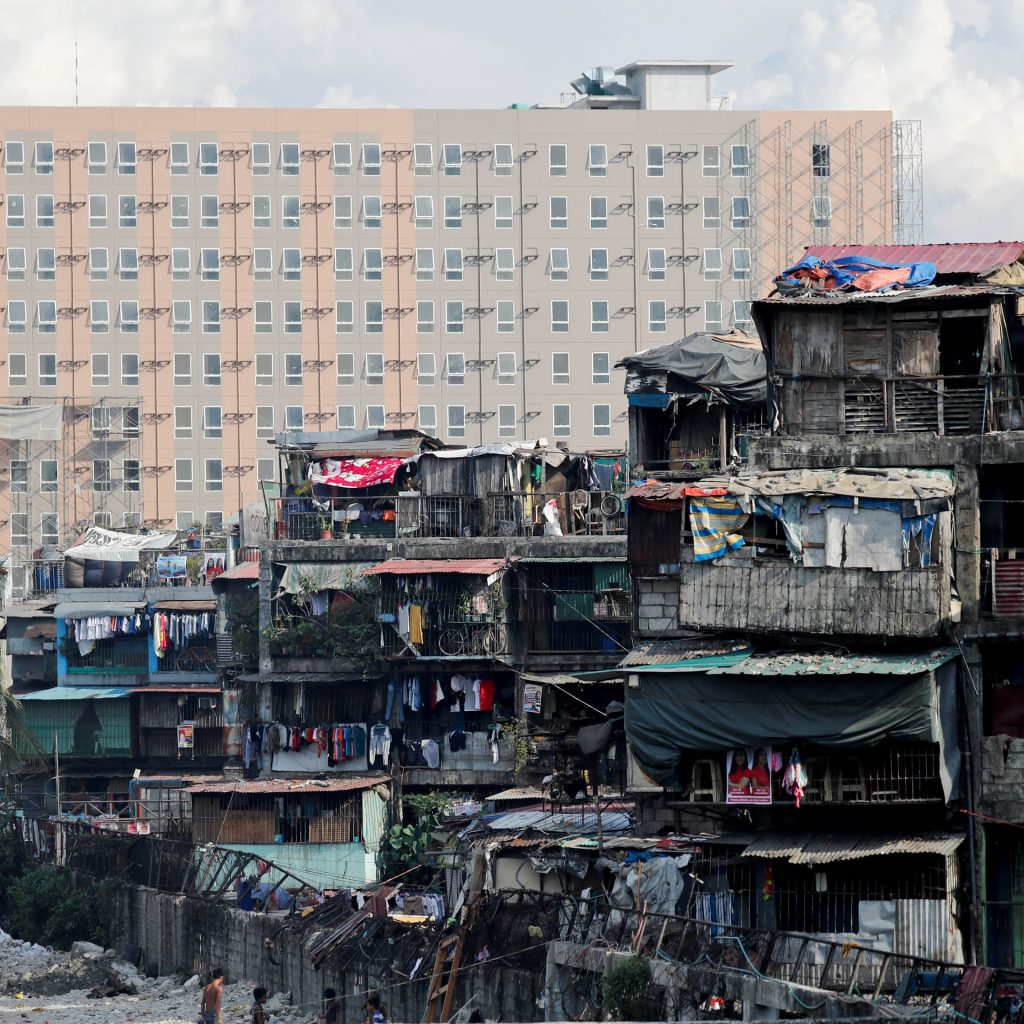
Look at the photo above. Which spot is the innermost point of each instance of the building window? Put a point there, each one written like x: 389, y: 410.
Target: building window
x: 132, y: 474
x: 345, y: 369
x: 456, y: 421
x: 422, y: 158
x: 129, y: 369
x: 181, y: 316
x: 19, y: 476
x: 46, y: 265
x: 373, y: 317
x: 344, y: 269
x: 183, y: 474
x: 128, y: 264
x: 289, y: 159
x: 711, y: 161
x: 655, y: 211
x: 49, y: 528
x: 602, y: 420
x: 426, y: 418
x: 126, y: 158
x: 740, y: 212
x: 264, y: 369
x: 599, y: 316
x: 455, y: 368
x: 17, y: 316
x: 597, y: 160
x: 561, y: 420
x: 657, y: 266
x: 372, y: 211
x: 453, y: 317
x: 342, y: 158
x: 99, y: 316
x: 712, y: 212
x: 212, y: 421
x: 821, y: 160
x: 713, y: 315
x: 346, y: 417
x: 558, y: 264
x: 343, y: 211
x: 504, y: 158
x: 292, y: 317
x: 373, y: 369
x: 263, y: 318
x: 16, y: 211
x: 262, y: 264
x: 506, y: 316
x: 46, y: 316
x: 207, y: 157
x: 17, y: 265
x: 507, y: 421
x: 211, y: 316
x: 558, y: 212
x: 424, y: 264
x: 560, y: 316
x: 598, y: 264
x: 712, y: 264
x: 294, y: 417
x: 290, y: 211
x: 209, y: 264
x: 599, y: 368
x: 293, y: 370
x: 740, y: 161
x: 371, y: 159
x: 130, y: 421
x: 453, y: 264
x: 182, y: 369
x: 599, y: 211
x: 506, y: 367
x: 656, y: 316
x: 451, y: 158
x: 17, y: 369
x: 99, y: 264
x: 214, y: 474
x: 373, y: 264
x: 503, y: 212
x: 344, y: 317
x: 425, y: 316
x: 504, y: 264
x: 264, y: 421
x: 183, y: 520
x: 262, y: 211
x: 127, y: 211
x: 376, y: 417
x: 181, y: 264
x: 291, y: 264
x: 211, y: 369
x: 19, y: 528
x: 44, y: 213
x: 100, y: 370
x: 209, y: 211
x: 741, y: 264
x: 423, y: 211
x: 48, y: 475
x: 14, y: 161
x: 179, y: 210
x: 178, y: 160
x: 453, y: 211
x: 741, y: 314
x: 655, y: 161
x: 821, y: 211
x: 426, y: 369
x: 101, y: 474
x: 558, y: 160
x: 559, y: 367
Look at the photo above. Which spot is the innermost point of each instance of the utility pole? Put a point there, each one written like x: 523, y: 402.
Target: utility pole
x: 59, y: 842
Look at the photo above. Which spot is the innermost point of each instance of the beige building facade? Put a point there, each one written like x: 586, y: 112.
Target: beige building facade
x: 187, y: 283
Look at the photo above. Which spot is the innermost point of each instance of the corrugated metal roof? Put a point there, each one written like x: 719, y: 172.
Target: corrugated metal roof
x: 187, y: 606
x: 830, y: 847
x: 838, y: 298
x: 560, y: 821
x: 829, y: 663
x: 670, y: 652
x: 575, y: 559
x: 415, y: 566
x: 518, y: 793
x: 306, y: 677
x: 176, y: 689
x: 242, y: 571
x: 948, y: 257
x: 78, y: 693
x: 342, y: 784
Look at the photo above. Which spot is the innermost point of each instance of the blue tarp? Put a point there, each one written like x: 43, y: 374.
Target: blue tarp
x: 845, y: 270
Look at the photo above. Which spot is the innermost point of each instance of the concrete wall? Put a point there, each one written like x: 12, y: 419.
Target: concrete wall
x: 657, y: 605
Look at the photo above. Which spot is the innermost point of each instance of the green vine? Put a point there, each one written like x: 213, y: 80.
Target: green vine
x: 514, y: 732
x: 623, y: 989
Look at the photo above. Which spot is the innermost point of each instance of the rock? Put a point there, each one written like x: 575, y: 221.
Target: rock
x: 279, y: 1001
x: 85, y: 949
x: 192, y: 982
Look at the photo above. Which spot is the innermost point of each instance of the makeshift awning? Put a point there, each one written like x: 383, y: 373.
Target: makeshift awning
x: 829, y: 663
x: 208, y: 605
x: 304, y: 786
x: 420, y: 566
x: 670, y: 713
x: 829, y: 847
x: 96, y: 609
x: 698, y: 654
x: 354, y: 473
x: 888, y: 484
x: 100, y: 545
x: 42, y: 631
x: 78, y: 693
x: 312, y: 577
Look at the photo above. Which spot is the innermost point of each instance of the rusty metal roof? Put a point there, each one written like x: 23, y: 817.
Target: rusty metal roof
x: 839, y: 298
x: 668, y: 652
x: 340, y: 784
x: 519, y: 793
x: 948, y: 257
x: 831, y: 663
x: 242, y: 571
x: 416, y: 566
x: 829, y: 847
x: 209, y: 605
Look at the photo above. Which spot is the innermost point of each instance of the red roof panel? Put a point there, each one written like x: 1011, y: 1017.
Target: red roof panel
x: 948, y: 257
x: 416, y: 566
x: 242, y: 571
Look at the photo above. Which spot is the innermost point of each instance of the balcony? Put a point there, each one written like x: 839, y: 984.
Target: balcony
x: 34, y: 578
x: 1003, y: 585
x: 773, y: 595
x: 114, y: 656
x: 198, y: 657
x: 333, y: 518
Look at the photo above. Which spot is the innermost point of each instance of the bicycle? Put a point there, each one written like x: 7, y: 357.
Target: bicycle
x: 469, y: 638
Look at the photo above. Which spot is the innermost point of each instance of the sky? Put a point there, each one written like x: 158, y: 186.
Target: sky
x: 953, y: 64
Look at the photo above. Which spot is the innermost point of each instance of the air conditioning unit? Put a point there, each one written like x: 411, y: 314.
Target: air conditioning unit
x: 207, y: 703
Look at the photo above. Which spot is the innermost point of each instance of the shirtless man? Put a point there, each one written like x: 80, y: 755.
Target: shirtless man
x: 209, y: 1009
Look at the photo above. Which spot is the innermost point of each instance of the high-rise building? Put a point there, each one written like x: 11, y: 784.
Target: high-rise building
x: 185, y: 283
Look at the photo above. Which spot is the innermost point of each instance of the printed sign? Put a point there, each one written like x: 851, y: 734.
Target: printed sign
x: 533, y: 695
x: 748, y: 773
x: 172, y: 567
x: 186, y: 736
x: 213, y: 566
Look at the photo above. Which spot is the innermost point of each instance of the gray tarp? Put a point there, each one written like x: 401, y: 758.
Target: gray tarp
x: 699, y: 364
x: 689, y: 711
x: 31, y: 422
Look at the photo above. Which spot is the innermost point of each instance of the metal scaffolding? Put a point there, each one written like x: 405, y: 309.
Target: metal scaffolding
x: 907, y: 183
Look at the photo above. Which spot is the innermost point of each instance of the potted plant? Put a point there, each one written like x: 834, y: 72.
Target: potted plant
x: 326, y: 524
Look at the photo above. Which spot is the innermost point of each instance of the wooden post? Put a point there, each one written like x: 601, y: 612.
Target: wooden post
x: 723, y: 438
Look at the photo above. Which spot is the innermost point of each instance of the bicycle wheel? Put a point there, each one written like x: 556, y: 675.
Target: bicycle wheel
x: 452, y: 642
x: 495, y: 641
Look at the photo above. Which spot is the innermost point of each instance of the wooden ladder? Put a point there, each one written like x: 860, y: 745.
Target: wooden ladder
x: 446, y: 970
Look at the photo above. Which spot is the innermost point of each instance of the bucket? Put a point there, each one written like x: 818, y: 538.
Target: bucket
x: 279, y: 838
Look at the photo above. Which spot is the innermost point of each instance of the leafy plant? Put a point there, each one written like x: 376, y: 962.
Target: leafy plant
x: 515, y: 733
x: 407, y: 842
x: 623, y: 989
x: 12, y: 856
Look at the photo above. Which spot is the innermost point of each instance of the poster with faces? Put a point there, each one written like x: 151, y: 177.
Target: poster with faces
x: 748, y: 775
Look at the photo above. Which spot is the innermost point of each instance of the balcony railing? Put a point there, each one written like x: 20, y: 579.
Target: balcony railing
x: 1004, y: 582
x: 129, y: 656
x: 452, y: 632
x: 196, y: 657
x: 579, y: 622
x: 333, y: 518
x: 36, y: 578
